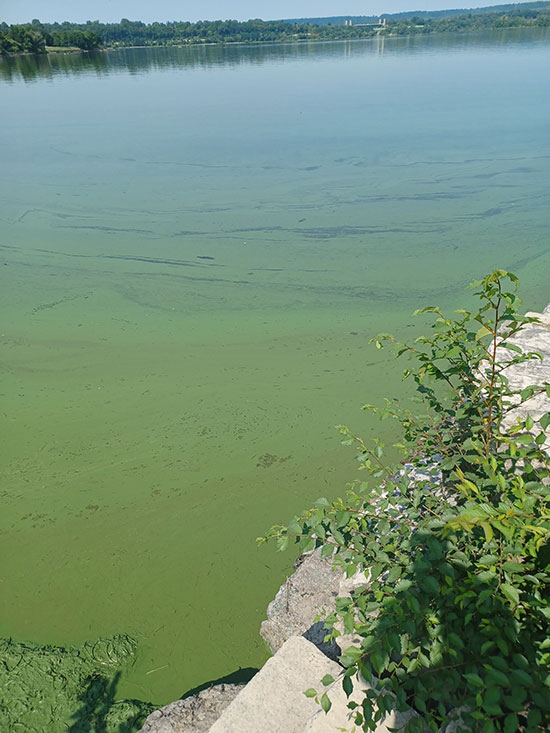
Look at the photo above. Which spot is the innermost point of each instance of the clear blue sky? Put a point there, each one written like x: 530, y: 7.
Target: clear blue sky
x: 21, y: 11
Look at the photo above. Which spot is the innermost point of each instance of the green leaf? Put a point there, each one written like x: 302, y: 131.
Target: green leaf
x: 512, y: 347
x: 513, y: 567
x: 327, y: 680
x: 349, y: 623
x: 294, y: 527
x: 474, y: 679
x: 524, y: 439
x: 323, y: 502
x: 282, y: 543
x: 488, y: 559
x: 394, y: 573
x: 521, y: 677
x: 488, y: 530
x: 426, y: 309
x: 311, y: 692
x: 483, y: 331
x: 498, y: 677
x: 347, y: 684
x: 534, y: 718
x: 486, y: 576
x: 511, y: 593
x: 499, y: 663
x: 420, y: 703
x: 403, y: 585
x: 511, y: 723
x: 516, y: 699
x: 491, y: 700
x: 326, y: 703
x: 353, y: 652
x: 520, y: 661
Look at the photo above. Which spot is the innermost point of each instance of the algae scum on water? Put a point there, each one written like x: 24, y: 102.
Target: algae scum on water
x: 49, y: 688
x: 196, y: 246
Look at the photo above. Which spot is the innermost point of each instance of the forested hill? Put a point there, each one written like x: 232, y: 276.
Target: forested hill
x: 510, y: 8
x: 37, y: 37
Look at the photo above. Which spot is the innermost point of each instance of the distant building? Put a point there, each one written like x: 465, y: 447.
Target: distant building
x: 381, y: 23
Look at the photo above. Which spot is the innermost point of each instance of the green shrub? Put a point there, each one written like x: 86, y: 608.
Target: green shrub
x: 454, y: 621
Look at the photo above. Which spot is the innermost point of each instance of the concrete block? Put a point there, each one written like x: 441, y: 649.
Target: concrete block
x: 274, y: 701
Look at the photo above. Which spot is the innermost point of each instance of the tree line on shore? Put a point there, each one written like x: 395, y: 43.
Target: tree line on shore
x: 36, y: 37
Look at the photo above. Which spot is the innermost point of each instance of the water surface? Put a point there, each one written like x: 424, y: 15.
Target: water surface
x: 196, y: 245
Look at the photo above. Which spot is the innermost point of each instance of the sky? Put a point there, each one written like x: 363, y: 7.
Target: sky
x: 78, y: 11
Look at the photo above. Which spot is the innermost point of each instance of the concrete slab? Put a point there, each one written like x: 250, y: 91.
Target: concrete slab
x: 274, y: 701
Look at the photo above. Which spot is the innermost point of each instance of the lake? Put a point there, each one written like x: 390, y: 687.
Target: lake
x: 196, y: 245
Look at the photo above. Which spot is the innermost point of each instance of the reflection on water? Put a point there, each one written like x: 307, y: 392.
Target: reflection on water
x: 144, y: 60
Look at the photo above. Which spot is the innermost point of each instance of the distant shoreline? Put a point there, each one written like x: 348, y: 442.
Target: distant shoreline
x: 62, y: 50
x: 44, y: 38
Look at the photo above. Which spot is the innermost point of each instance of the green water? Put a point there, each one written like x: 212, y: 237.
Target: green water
x: 196, y: 245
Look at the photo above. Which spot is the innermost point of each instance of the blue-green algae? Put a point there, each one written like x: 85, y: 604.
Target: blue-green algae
x: 74, y: 689
x: 196, y: 246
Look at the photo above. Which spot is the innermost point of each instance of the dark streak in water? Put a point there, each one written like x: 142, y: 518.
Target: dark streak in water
x: 440, y: 196
x: 323, y: 291
x: 335, y: 232
x: 188, y: 233
x: 56, y: 214
x: 131, y: 258
x: 467, y: 161
x: 485, y: 214
x: 259, y: 229
x: 154, y: 260
x: 109, y: 230
x: 61, y: 301
x: 521, y: 169
x: 345, y: 231
x: 294, y: 269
